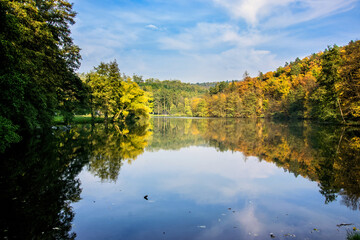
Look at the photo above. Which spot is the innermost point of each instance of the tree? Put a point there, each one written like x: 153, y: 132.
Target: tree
x: 132, y: 102
x: 326, y: 103
x: 349, y: 87
x: 37, y: 62
x: 112, y: 95
x: 246, y: 75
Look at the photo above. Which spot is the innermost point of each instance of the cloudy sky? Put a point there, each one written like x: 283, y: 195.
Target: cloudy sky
x: 209, y: 40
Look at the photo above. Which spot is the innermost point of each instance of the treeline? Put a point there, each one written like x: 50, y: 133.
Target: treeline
x: 323, y: 86
x: 172, y: 97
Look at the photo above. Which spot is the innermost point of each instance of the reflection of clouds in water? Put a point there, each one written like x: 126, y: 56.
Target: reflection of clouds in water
x: 249, y: 221
x: 203, y: 174
x: 284, y: 220
x: 200, y: 174
x: 215, y: 232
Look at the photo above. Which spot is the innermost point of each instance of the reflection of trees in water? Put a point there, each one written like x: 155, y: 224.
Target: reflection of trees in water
x: 38, y: 176
x: 176, y: 133
x: 38, y: 185
x: 112, y: 145
x: 327, y: 154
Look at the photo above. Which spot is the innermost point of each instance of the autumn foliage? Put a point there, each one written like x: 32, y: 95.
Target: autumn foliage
x: 322, y: 86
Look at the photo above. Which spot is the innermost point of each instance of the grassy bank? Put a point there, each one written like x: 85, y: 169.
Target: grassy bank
x: 78, y: 119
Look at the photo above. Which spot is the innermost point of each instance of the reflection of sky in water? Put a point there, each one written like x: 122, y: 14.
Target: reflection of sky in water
x: 199, y: 193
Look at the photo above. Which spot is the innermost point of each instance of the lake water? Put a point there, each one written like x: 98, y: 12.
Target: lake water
x: 184, y: 178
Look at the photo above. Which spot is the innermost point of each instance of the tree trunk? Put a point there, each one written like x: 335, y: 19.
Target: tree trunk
x: 92, y: 110
x: 338, y: 101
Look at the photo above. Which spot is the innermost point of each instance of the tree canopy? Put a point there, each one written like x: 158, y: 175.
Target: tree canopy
x: 112, y: 93
x: 323, y: 86
x: 38, y: 60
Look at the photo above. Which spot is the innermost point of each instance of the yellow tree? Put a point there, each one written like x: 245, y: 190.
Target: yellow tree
x: 132, y: 101
x: 349, y: 87
x: 112, y: 94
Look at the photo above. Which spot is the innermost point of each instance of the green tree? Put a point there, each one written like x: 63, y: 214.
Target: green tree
x: 37, y: 62
x: 326, y: 103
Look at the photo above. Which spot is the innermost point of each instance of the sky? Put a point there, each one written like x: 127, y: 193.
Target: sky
x: 209, y: 40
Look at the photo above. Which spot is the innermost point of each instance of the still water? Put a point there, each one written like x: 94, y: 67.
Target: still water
x: 184, y: 178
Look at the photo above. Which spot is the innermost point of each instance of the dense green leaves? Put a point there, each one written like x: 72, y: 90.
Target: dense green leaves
x: 37, y: 62
x: 171, y: 97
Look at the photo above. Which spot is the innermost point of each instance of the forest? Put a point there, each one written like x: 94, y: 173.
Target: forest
x: 323, y: 86
x: 172, y: 97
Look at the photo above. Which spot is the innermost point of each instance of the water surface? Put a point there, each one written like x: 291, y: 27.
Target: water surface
x: 204, y: 179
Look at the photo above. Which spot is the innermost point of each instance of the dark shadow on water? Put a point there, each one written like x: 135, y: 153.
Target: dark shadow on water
x: 39, y: 175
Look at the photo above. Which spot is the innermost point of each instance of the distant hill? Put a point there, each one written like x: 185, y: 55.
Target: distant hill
x: 172, y: 97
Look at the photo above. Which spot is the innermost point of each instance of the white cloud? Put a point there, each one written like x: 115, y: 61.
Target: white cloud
x: 309, y: 10
x: 214, y: 52
x: 151, y: 26
x: 279, y: 13
x: 212, y: 36
x: 190, y: 66
x: 251, y: 10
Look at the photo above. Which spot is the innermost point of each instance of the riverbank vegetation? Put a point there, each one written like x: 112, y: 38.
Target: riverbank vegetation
x: 172, y: 97
x: 323, y: 86
x: 38, y: 63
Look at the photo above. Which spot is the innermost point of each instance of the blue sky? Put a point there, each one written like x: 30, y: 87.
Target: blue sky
x: 209, y: 40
